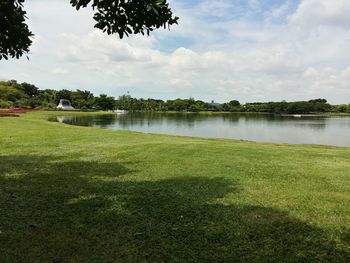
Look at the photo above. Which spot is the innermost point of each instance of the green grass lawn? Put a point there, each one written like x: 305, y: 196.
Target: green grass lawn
x: 76, y: 194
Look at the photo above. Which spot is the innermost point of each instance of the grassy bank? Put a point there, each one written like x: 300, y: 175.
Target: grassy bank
x: 76, y: 194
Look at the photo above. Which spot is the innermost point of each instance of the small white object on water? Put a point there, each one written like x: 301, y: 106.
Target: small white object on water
x: 120, y: 111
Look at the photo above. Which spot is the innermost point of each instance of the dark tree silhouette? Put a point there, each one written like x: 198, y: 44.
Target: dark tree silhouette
x: 15, y: 36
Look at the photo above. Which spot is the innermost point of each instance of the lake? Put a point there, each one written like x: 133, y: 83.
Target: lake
x: 238, y: 126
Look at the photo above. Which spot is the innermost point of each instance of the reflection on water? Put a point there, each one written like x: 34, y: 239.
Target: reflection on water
x: 254, y: 127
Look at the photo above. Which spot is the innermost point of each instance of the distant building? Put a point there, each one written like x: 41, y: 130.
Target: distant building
x: 214, y: 104
x: 65, y: 105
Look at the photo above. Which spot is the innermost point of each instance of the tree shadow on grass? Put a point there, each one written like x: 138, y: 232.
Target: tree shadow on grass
x: 58, y: 211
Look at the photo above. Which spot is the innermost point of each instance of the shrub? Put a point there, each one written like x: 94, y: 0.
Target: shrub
x: 5, y: 104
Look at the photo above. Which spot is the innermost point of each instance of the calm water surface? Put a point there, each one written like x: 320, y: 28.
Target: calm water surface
x: 253, y: 127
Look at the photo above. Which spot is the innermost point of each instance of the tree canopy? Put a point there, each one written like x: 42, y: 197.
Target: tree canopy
x: 122, y: 17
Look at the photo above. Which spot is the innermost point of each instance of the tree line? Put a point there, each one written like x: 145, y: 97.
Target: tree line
x: 26, y: 95
x: 126, y: 102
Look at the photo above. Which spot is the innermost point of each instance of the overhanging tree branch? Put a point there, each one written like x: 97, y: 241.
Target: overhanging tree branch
x: 126, y: 17
x: 122, y: 17
x: 15, y: 36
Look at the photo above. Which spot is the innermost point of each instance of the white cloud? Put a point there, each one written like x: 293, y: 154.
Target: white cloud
x: 310, y: 72
x: 59, y: 71
x: 314, y: 13
x: 280, y: 11
x: 346, y: 73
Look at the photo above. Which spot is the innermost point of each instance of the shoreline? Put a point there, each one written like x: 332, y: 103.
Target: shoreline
x: 190, y: 136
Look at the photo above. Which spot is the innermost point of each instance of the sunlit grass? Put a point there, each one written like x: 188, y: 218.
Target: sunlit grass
x: 81, y: 194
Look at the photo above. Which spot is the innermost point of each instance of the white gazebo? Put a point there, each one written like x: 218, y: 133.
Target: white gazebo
x: 65, y: 105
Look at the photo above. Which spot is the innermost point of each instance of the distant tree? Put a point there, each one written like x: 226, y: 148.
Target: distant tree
x: 82, y: 99
x: 12, y: 83
x: 48, y: 98
x: 318, y: 101
x: 5, y: 104
x: 63, y: 94
x: 105, y: 103
x: 232, y: 106
x: 179, y: 105
x: 10, y: 93
x: 343, y: 108
x: 111, y: 16
x: 234, y: 103
x: 299, y: 107
x: 224, y: 107
x: 30, y: 89
x: 123, y: 102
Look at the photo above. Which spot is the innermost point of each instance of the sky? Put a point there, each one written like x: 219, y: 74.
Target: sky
x: 247, y: 50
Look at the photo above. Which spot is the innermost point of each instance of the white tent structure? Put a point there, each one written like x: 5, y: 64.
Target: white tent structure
x: 65, y: 105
